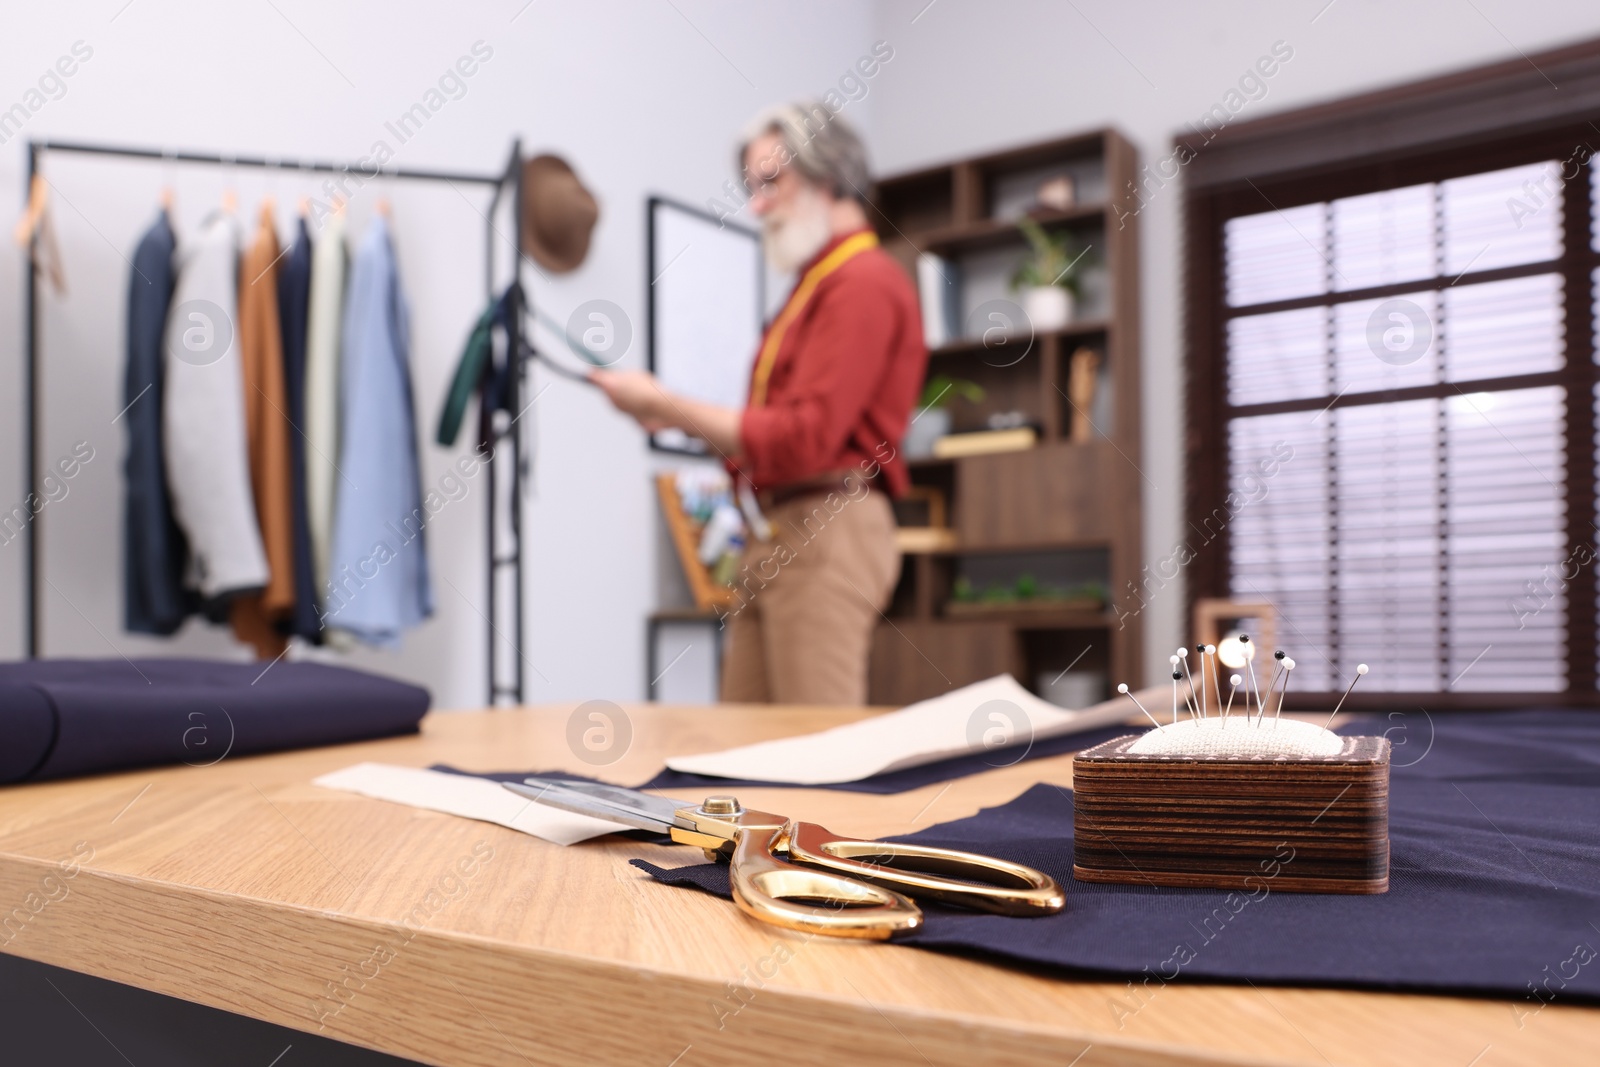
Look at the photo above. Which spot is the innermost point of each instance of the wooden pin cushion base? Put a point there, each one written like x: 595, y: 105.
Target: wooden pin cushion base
x: 1317, y: 824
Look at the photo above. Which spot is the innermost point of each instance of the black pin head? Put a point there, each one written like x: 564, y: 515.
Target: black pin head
x: 1177, y: 676
x: 1278, y: 654
x: 1200, y: 649
x: 1244, y: 639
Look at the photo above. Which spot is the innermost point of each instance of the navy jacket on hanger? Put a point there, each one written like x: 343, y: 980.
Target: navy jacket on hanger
x: 154, y: 547
x: 294, y: 302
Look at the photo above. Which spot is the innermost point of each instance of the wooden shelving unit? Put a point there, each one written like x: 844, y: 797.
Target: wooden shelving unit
x: 1078, y: 502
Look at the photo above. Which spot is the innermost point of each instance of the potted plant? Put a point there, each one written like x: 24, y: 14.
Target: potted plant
x: 932, y: 418
x: 1047, y: 276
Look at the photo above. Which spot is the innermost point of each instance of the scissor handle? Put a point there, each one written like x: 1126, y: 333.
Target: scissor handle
x: 774, y: 891
x: 967, y: 879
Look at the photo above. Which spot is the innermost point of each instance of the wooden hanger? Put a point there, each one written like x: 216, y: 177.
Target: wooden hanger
x: 35, y: 233
x: 38, y: 199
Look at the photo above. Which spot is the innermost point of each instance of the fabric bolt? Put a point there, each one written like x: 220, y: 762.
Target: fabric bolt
x: 66, y: 717
x: 255, y: 617
x: 1494, y: 848
x: 203, y: 420
x: 845, y: 376
x: 809, y: 600
x: 380, y: 584
x: 324, y: 327
x: 294, y: 300
x: 154, y: 549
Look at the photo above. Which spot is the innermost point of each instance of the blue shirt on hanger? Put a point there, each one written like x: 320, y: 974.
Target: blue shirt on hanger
x: 378, y: 584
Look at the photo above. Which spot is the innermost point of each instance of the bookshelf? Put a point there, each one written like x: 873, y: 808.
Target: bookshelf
x: 1065, y: 513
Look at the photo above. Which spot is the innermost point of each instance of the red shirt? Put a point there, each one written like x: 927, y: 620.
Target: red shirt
x: 845, y: 379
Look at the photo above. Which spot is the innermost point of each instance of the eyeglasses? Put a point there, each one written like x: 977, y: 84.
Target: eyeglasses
x: 761, y: 184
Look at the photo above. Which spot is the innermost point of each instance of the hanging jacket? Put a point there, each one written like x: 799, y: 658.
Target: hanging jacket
x: 478, y: 371
x: 255, y: 617
x: 294, y: 301
x: 323, y: 328
x: 379, y: 584
x: 203, y: 423
x: 154, y: 550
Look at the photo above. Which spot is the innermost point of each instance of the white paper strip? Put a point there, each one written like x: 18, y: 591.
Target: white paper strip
x: 989, y: 716
x: 470, y: 798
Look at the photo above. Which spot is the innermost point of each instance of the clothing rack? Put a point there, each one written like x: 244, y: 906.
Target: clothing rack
x: 499, y: 556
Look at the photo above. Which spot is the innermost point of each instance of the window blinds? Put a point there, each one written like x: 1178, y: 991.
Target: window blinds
x: 1405, y: 349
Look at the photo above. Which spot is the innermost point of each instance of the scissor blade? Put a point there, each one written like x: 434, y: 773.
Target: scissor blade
x: 627, y: 806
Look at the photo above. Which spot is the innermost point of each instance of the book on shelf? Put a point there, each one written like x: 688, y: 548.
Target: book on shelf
x: 985, y: 442
x: 940, y: 295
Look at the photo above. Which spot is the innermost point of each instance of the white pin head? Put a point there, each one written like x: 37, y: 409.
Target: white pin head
x: 1184, y: 652
x: 1123, y: 688
x: 1362, y: 668
x: 1211, y: 650
x: 1172, y: 660
x: 1235, y: 680
x: 1288, y: 663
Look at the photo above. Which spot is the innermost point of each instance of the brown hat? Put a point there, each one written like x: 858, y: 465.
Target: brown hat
x: 558, y: 214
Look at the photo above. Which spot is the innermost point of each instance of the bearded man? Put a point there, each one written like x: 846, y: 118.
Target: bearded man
x: 815, y: 451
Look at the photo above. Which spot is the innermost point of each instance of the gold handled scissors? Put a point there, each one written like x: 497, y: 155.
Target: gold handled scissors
x: 800, y: 876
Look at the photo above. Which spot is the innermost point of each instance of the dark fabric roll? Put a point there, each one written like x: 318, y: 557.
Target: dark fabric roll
x: 65, y: 717
x: 1492, y: 888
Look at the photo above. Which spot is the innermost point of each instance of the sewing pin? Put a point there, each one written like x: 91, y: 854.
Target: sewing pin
x: 1216, y: 682
x: 1250, y: 666
x: 1272, y: 685
x: 1233, y: 684
x: 1175, y: 676
x: 1188, y: 698
x: 1288, y: 669
x: 1361, y: 668
x: 1123, y: 689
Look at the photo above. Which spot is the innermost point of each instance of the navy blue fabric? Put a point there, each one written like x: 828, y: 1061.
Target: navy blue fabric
x: 65, y: 717
x: 1494, y: 824
x: 154, y: 599
x: 903, y: 781
x: 294, y: 303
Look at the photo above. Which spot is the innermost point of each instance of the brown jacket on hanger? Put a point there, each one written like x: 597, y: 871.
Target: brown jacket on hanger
x: 267, y: 431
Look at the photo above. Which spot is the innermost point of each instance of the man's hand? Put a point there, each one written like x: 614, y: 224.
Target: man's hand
x: 636, y: 393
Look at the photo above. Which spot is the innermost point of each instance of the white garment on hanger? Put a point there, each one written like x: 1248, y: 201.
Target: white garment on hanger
x: 203, y: 421
x: 325, y: 316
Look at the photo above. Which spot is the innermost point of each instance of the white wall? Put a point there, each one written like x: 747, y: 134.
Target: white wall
x: 642, y: 97
x: 974, y: 77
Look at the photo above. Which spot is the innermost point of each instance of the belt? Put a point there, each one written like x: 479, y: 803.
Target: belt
x: 833, y: 482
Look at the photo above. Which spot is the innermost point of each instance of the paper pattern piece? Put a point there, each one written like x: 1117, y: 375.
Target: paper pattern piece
x: 985, y: 716
x: 470, y: 798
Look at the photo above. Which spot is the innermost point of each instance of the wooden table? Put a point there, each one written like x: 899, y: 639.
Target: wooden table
x: 244, y: 887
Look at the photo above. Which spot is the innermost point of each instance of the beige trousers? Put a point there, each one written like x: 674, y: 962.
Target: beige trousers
x: 809, y: 600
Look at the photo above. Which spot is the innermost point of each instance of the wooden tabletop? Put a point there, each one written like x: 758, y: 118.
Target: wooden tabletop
x: 242, y: 886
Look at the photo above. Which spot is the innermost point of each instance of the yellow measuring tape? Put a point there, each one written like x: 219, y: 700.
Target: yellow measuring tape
x: 847, y: 250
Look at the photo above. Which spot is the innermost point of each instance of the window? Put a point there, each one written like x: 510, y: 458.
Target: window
x: 1393, y: 406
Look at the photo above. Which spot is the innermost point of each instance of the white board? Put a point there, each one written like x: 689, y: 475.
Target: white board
x: 706, y: 301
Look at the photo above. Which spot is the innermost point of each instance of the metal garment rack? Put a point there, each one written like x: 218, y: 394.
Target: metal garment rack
x: 506, y: 429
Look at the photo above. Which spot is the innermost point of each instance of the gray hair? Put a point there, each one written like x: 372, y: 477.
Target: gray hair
x: 825, y: 148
